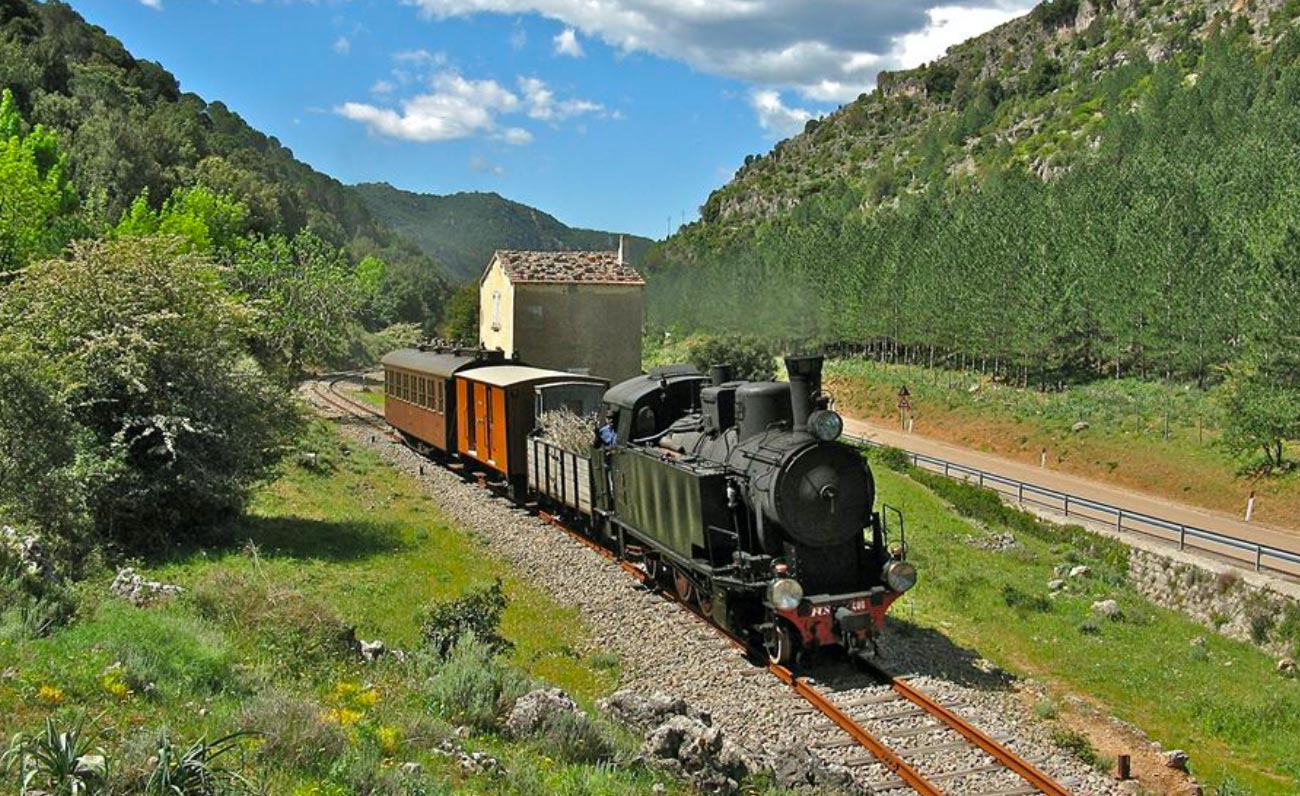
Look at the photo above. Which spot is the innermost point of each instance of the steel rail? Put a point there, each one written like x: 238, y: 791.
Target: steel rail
x: 1002, y: 754
x: 819, y: 701
x: 891, y: 759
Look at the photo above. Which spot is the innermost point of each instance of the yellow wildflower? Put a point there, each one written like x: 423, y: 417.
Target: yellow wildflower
x: 367, y: 699
x: 51, y: 695
x: 390, y: 741
x: 344, y: 717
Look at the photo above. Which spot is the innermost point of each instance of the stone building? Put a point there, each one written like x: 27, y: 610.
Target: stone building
x: 576, y: 311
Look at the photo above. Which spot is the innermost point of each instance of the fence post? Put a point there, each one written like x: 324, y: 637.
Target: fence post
x: 1259, y: 557
x: 1020, y: 491
x: 1067, y: 505
x: 945, y: 469
x: 981, y: 479
x: 1119, y: 520
x: 1182, y: 536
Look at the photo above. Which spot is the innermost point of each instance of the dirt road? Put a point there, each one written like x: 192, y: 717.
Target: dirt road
x: 1172, y: 511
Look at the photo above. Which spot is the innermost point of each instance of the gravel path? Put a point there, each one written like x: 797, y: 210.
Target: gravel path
x: 663, y: 647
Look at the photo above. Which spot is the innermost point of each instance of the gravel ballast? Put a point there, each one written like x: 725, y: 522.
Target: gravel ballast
x: 665, y: 648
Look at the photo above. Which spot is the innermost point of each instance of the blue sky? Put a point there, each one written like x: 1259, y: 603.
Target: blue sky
x: 610, y: 114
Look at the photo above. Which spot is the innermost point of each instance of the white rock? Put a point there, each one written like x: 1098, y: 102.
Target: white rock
x: 1107, y: 608
x: 1081, y: 571
x: 1177, y: 759
x: 1056, y: 585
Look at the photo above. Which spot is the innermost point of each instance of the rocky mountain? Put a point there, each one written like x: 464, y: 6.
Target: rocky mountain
x: 1026, y: 94
x: 462, y: 230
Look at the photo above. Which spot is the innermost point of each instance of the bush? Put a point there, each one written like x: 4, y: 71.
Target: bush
x: 751, y: 358
x: 294, y: 731
x: 1025, y: 602
x: 477, y: 612
x: 576, y: 737
x: 474, y: 687
x: 31, y: 605
x: 148, y: 350
x: 297, y: 631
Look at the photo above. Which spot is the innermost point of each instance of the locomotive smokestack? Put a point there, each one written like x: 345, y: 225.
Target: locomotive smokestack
x: 720, y: 374
x: 805, y: 381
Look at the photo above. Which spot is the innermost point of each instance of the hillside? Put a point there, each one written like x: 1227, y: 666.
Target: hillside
x: 463, y: 229
x: 1095, y: 190
x: 1024, y: 95
x: 128, y: 130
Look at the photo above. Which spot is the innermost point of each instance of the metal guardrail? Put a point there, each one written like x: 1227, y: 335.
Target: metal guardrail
x: 1261, y: 556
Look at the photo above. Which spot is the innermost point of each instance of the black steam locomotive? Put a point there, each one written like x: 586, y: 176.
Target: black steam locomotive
x: 740, y: 496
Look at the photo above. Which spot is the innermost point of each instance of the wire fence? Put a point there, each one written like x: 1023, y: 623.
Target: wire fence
x: 1262, y: 557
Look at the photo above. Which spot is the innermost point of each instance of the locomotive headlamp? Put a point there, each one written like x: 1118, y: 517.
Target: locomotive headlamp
x: 900, y: 575
x: 825, y: 425
x: 785, y: 594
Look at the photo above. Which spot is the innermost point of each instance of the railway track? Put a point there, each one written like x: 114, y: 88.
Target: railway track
x: 919, y: 742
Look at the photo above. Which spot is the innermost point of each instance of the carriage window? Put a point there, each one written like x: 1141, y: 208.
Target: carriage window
x: 424, y: 392
x: 440, y: 396
x: 406, y: 387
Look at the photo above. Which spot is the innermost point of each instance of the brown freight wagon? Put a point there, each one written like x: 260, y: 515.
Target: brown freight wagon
x: 419, y: 395
x: 497, y: 410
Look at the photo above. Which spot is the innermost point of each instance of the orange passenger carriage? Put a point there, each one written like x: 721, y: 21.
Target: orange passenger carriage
x: 497, y: 408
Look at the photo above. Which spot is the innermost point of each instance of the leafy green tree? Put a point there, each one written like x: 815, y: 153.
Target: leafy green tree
x: 208, y: 222
x: 461, y: 321
x: 44, y: 482
x: 750, y: 358
x: 306, y: 297
x: 37, y: 202
x: 147, y: 348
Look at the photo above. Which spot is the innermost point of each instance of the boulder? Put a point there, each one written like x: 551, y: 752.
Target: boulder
x: 534, y: 709
x: 796, y: 767
x: 643, y: 710
x: 131, y: 585
x: 1286, y: 666
x: 687, y: 746
x: 1082, y: 425
x: 1056, y: 584
x: 1081, y: 571
x: 372, y: 651
x: 1107, y: 608
x: 1176, y: 759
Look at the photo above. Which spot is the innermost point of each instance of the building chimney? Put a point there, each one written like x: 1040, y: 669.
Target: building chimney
x: 621, y: 261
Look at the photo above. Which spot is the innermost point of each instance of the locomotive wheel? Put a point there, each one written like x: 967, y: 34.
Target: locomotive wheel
x: 781, y: 645
x: 705, y: 601
x: 685, y: 589
x: 651, y: 567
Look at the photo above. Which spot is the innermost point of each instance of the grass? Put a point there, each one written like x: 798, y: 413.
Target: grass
x: 256, y: 643
x: 1150, y: 436
x: 1224, y: 703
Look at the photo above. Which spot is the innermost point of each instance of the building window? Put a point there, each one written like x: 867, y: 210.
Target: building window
x: 496, y: 310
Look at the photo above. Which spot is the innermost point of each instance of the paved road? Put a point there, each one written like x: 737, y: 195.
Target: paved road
x: 1173, y: 511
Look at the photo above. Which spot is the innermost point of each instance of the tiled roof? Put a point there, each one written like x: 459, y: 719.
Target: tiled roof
x: 601, y: 268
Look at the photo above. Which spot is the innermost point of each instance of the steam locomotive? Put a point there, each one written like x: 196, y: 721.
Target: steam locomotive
x: 737, y: 495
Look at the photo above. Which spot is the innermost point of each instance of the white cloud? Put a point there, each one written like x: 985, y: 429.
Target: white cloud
x: 342, y: 45
x: 381, y: 87
x: 156, y: 5
x: 566, y: 43
x: 517, y: 136
x: 457, y: 108
x: 420, y: 57
x: 774, y: 116
x: 827, y: 50
x: 542, y: 105
x: 518, y: 39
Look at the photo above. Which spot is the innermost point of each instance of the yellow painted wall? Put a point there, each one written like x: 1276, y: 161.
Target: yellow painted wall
x: 496, y: 310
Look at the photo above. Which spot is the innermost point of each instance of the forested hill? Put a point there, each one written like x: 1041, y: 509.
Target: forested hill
x: 462, y: 230
x: 1092, y: 190
x: 128, y: 130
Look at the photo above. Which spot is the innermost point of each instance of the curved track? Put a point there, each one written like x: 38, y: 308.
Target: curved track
x: 922, y: 729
